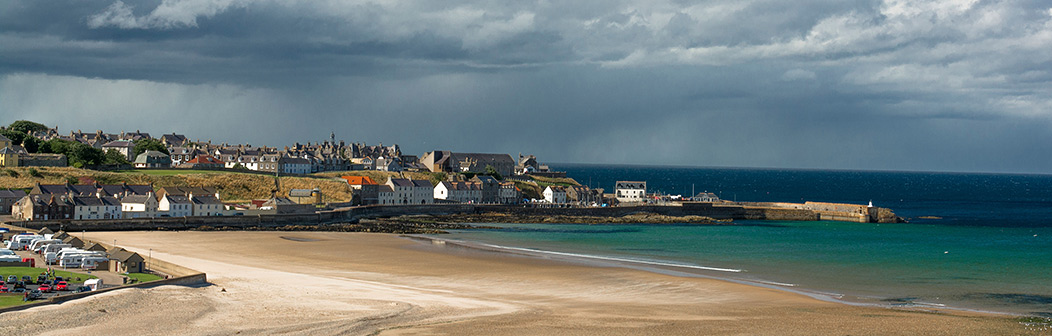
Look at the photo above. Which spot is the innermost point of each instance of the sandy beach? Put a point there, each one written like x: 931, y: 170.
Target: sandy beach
x: 353, y: 283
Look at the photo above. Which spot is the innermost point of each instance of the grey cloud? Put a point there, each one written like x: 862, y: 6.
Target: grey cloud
x: 820, y: 83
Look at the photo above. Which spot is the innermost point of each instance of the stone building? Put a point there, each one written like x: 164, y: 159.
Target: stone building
x: 453, y: 162
x: 8, y: 198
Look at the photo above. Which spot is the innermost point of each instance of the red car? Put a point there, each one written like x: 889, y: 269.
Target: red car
x: 3, y: 289
x: 62, y: 285
x: 45, y: 288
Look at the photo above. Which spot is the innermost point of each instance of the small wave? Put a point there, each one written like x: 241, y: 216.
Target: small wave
x: 775, y: 283
x: 657, y: 263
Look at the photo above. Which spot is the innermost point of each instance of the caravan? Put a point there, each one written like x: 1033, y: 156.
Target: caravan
x: 53, y: 247
x: 38, y: 243
x: 19, y: 242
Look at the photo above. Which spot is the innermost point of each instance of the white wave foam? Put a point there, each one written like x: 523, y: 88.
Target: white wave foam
x: 616, y: 259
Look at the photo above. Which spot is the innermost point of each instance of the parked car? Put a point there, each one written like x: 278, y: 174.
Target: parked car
x: 58, y: 278
x: 4, y: 289
x: 41, y: 278
x: 62, y: 286
x: 19, y: 284
x: 12, y: 278
x: 46, y: 288
x: 27, y: 279
x: 81, y: 289
x: 18, y: 290
x: 35, y: 294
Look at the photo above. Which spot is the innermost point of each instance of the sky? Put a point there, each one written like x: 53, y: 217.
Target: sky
x: 921, y: 85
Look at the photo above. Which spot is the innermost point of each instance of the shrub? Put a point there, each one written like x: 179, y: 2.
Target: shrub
x: 11, y: 173
x: 34, y: 173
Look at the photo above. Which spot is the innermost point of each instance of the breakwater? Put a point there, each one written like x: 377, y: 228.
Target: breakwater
x: 721, y: 211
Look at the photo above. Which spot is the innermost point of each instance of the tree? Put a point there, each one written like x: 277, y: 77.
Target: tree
x: 32, y: 144
x: 493, y: 172
x: 143, y: 144
x: 16, y: 137
x: 114, y: 157
x: 26, y: 126
x: 79, y: 154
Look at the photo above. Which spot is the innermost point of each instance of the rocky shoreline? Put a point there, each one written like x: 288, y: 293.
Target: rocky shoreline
x: 438, y: 224
x: 494, y: 217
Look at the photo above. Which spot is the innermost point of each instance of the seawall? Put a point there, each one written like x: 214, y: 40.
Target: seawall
x: 732, y: 211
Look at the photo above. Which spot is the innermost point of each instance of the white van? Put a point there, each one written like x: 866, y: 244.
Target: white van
x: 4, y: 252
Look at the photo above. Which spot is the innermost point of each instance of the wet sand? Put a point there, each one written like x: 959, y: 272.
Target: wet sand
x: 354, y: 283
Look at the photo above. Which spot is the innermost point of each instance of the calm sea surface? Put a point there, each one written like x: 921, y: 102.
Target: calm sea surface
x: 985, y: 241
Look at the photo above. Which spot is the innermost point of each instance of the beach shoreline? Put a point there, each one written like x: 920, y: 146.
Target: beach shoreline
x: 325, y: 283
x: 706, y: 272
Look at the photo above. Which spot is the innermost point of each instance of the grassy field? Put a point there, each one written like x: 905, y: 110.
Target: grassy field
x: 33, y: 272
x: 173, y: 172
x: 143, y: 277
x: 7, y: 300
x: 382, y: 176
x: 232, y: 186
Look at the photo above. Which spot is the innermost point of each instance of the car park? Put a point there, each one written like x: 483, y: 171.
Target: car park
x: 12, y: 278
x: 18, y: 290
x: 4, y: 289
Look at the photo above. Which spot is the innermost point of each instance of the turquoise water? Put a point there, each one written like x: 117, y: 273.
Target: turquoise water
x: 976, y: 241
x: 998, y: 269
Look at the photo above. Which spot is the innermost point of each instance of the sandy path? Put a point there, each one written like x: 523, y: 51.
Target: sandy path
x: 347, y: 283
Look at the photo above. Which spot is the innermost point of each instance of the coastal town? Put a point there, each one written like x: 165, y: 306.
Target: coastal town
x: 452, y: 177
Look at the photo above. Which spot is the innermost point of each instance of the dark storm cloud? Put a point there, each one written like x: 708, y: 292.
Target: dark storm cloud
x: 934, y: 85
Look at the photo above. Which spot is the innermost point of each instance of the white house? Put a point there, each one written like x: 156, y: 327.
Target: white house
x: 630, y: 191
x: 386, y: 195
x: 464, y: 192
x: 123, y: 146
x: 206, y: 205
x: 294, y: 165
x: 176, y: 206
x: 555, y: 194
x: 96, y: 207
x: 139, y: 206
x: 387, y: 164
x: 408, y: 191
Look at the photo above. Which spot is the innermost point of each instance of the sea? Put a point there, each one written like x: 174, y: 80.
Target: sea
x: 980, y: 242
